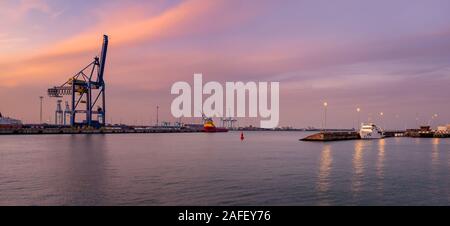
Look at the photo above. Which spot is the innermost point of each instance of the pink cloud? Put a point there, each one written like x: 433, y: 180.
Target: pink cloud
x: 128, y: 27
x: 14, y: 12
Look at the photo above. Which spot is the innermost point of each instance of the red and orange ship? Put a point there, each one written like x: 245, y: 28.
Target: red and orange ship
x: 209, y: 127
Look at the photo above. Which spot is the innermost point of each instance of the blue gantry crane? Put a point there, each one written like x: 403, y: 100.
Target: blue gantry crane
x: 87, y: 91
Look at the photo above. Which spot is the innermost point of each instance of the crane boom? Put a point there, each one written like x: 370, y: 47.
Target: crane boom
x: 103, y: 60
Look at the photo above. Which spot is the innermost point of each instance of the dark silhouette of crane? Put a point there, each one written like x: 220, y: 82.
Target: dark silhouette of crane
x: 87, y: 91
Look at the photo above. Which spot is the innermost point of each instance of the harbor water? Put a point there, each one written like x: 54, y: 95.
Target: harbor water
x: 266, y: 168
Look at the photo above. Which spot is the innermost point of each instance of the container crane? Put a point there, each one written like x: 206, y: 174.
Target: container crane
x: 87, y: 87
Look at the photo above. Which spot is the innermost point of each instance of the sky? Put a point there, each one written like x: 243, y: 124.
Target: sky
x: 390, y: 56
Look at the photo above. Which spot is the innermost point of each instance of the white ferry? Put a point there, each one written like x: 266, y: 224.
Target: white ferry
x: 370, y: 131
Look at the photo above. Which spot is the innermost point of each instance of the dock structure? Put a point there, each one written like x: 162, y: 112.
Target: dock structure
x: 37, y: 130
x: 394, y: 133
x: 353, y: 135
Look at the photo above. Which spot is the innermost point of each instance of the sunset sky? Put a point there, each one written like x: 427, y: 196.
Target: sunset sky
x: 386, y: 56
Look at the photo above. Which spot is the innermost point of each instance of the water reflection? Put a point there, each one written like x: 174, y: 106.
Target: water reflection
x: 358, y: 167
x: 435, y: 152
x: 417, y: 140
x: 380, y: 159
x: 85, y: 176
x: 434, y: 164
x: 380, y: 166
x: 97, y: 170
x: 323, y: 183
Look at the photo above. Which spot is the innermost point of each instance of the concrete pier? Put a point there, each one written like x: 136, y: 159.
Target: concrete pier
x: 352, y: 135
x: 332, y: 136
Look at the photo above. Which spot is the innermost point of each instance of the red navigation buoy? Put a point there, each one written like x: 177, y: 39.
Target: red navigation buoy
x: 242, y: 135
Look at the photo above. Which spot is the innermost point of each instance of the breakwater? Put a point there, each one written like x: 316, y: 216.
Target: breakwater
x: 332, y: 136
x: 353, y: 135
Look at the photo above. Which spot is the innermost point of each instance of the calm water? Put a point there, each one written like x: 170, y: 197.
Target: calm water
x: 267, y: 168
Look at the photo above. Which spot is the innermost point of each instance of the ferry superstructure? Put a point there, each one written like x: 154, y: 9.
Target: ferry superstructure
x: 370, y: 131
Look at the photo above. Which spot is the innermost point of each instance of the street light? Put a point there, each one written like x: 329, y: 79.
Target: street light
x: 432, y: 118
x: 359, y: 118
x: 435, y: 116
x: 157, y: 115
x: 397, y: 121
x: 417, y: 120
x: 40, y: 109
x: 381, y: 117
x: 325, y: 105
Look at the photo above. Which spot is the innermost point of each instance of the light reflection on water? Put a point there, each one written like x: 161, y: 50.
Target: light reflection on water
x: 435, y: 152
x: 358, y: 166
x: 267, y: 168
x: 380, y: 166
x: 323, y: 180
x: 380, y: 159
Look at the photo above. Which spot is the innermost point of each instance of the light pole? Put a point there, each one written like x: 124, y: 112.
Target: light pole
x: 325, y: 105
x: 157, y: 115
x: 381, y: 119
x: 397, y: 120
x: 432, y: 119
x: 435, y: 116
x: 417, y: 120
x: 359, y: 117
x: 40, y: 109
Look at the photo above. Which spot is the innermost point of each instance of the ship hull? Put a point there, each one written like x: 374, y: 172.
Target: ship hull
x: 370, y: 135
x: 214, y: 130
